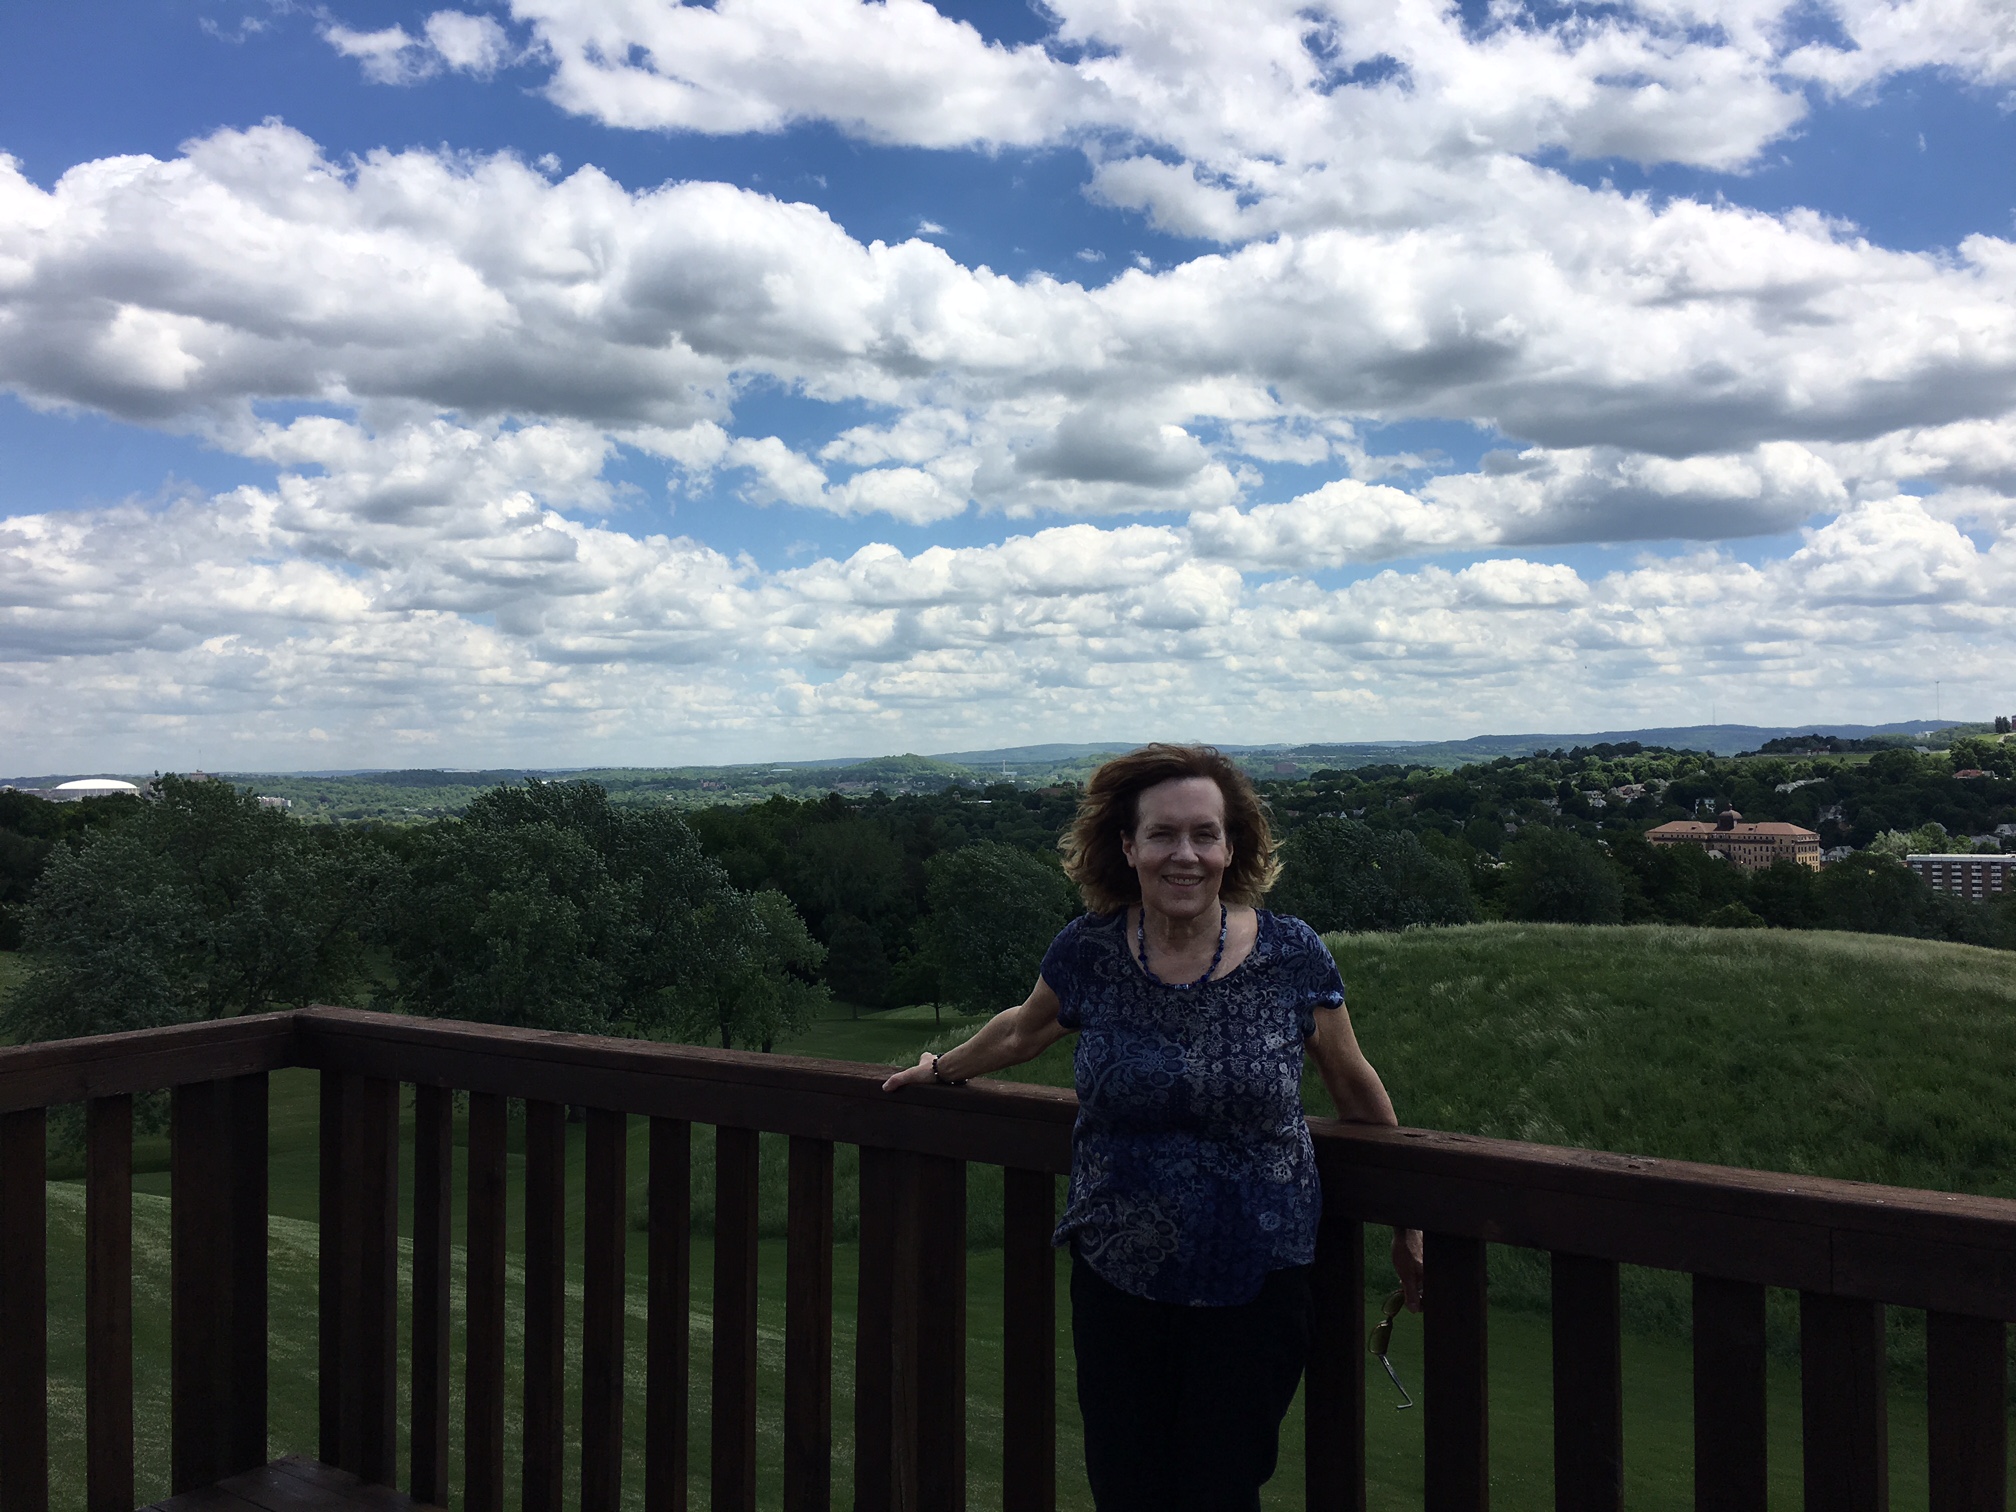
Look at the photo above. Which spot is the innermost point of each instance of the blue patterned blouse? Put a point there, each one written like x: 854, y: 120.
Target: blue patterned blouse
x: 1192, y: 1174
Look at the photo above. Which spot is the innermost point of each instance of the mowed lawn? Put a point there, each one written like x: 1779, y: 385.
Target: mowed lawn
x: 1840, y: 1055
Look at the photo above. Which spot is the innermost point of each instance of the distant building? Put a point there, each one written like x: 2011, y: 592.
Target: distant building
x: 89, y: 787
x: 1966, y: 876
x: 1750, y: 846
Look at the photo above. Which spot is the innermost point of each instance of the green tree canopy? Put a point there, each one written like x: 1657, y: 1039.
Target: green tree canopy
x: 1341, y: 874
x: 994, y: 910
x: 1557, y: 877
x: 548, y: 906
x: 201, y: 904
x: 761, y: 984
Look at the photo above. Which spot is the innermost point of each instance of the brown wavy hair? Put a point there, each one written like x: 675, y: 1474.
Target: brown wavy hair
x: 1092, y: 855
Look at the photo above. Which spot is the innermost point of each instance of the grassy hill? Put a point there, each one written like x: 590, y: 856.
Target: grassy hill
x: 1859, y: 1056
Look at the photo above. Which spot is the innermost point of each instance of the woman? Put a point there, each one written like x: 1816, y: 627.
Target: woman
x: 1194, y: 1197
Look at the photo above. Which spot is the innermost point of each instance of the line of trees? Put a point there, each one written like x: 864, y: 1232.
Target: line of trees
x: 548, y: 904
x: 543, y: 906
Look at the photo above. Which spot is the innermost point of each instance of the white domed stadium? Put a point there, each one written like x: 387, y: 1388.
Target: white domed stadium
x: 94, y: 787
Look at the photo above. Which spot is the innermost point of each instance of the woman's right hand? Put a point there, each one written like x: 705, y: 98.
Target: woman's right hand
x: 918, y: 1075
x: 1009, y: 1038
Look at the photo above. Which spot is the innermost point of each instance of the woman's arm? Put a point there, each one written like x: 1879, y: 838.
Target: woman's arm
x: 1361, y: 1098
x: 1011, y: 1037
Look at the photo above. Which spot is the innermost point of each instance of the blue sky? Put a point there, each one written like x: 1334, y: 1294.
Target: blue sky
x: 565, y: 381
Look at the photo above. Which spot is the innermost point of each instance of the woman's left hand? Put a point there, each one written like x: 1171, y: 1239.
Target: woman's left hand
x: 918, y: 1075
x: 1407, y: 1265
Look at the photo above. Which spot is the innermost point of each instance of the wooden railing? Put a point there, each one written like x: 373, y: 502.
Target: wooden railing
x: 1848, y: 1249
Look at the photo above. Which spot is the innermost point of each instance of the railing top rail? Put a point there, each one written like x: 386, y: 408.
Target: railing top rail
x: 143, y: 1060
x: 996, y: 1123
x: 1941, y: 1250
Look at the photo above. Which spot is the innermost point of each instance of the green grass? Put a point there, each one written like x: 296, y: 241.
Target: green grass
x: 1841, y: 1055
x: 1857, y: 1056
x: 13, y: 967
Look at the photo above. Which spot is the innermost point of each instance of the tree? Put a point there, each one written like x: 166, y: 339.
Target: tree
x: 759, y: 983
x: 1872, y: 893
x: 1559, y: 878
x: 1786, y: 895
x: 512, y: 923
x: 857, y: 966
x: 1342, y: 874
x: 31, y: 829
x: 548, y: 906
x: 1983, y: 754
x: 1733, y: 916
x: 994, y: 910
x: 1926, y: 840
x: 202, y: 904
x: 1673, y: 884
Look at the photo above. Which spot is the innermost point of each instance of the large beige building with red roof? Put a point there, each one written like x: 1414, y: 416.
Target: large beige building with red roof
x: 1750, y: 846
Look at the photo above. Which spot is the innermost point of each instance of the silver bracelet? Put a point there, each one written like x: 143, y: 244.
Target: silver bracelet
x: 939, y: 1079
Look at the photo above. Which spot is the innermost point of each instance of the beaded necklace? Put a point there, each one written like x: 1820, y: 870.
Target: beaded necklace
x: 1141, y: 949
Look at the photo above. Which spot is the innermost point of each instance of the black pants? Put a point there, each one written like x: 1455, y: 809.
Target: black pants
x: 1183, y: 1405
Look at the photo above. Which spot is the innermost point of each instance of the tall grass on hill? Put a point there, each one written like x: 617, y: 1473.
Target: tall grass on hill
x: 1864, y: 1057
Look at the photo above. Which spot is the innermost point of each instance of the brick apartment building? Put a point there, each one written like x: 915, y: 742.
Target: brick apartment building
x: 1976, y: 877
x: 1750, y: 846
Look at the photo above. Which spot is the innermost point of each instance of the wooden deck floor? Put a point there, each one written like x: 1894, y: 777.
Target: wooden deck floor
x: 292, y: 1484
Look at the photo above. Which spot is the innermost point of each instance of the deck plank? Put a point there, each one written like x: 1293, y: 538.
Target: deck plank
x: 291, y: 1484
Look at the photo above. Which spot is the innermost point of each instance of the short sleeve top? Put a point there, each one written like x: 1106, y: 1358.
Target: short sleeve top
x: 1192, y: 1172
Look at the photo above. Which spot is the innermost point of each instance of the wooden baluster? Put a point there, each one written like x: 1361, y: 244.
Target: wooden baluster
x: 369, y: 1207
x: 1967, y: 1412
x: 200, y: 1254
x: 733, y: 1460
x: 433, y: 1188
x: 808, y: 1328
x: 885, y: 1344
x: 941, y: 1333
x: 24, y: 1312
x: 545, y: 1300
x: 108, y: 1304
x: 1844, y: 1404
x: 1588, y: 1385
x: 1029, y: 1345
x: 246, y: 1137
x: 905, y: 1342
x: 872, y: 1386
x: 1455, y: 1394
x: 1729, y: 1399
x: 483, y: 1390
x: 668, y: 1324
x: 1334, y: 1397
x: 607, y: 1224
x: 331, y: 1267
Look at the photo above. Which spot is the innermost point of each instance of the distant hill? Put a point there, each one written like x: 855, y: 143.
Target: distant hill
x: 408, y: 794
x: 1719, y: 739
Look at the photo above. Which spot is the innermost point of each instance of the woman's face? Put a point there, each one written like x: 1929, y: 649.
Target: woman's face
x: 1179, y: 849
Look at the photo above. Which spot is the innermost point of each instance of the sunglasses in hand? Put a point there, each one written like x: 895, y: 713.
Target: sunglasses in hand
x: 1382, y: 1340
